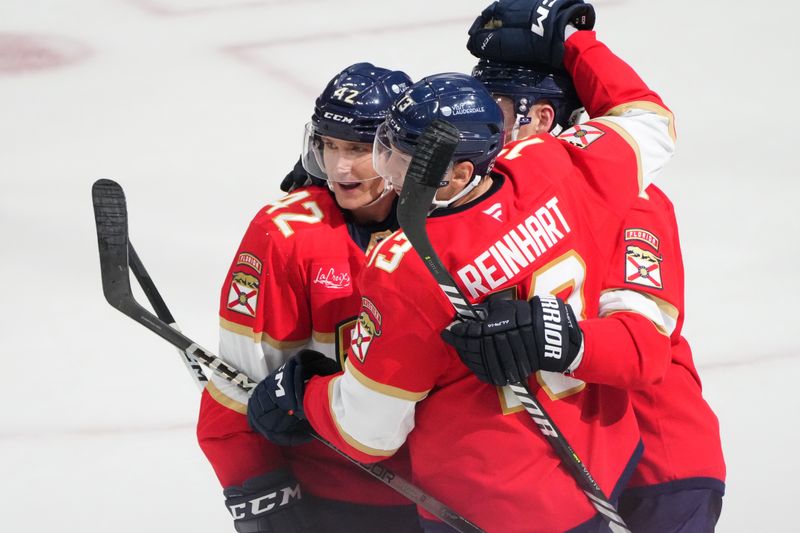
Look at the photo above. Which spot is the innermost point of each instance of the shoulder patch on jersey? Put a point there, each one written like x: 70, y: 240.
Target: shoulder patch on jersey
x: 376, y: 238
x: 581, y: 135
x: 327, y: 277
x: 368, y: 326
x: 248, y: 259
x: 243, y: 294
x: 639, y: 234
x: 642, y: 267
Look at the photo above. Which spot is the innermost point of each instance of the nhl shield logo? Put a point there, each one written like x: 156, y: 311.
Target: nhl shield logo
x: 243, y: 294
x: 642, y: 267
x: 368, y: 326
x: 581, y: 135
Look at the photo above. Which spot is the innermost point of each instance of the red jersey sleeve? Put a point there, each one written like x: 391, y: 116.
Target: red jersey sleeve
x: 629, y: 346
x: 631, y: 135
x: 394, y: 360
x: 257, y: 306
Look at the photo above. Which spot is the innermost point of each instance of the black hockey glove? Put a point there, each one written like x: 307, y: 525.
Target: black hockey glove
x: 275, y: 408
x: 527, y: 31
x: 297, y: 177
x: 516, y: 339
x: 271, y: 503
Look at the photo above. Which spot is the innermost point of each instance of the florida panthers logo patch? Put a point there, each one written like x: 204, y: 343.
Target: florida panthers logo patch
x: 243, y: 294
x: 642, y: 267
x: 581, y: 135
x: 368, y: 326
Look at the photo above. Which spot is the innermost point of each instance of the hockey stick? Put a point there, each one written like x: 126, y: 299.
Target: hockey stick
x: 111, y: 219
x: 426, y: 170
x: 162, y: 312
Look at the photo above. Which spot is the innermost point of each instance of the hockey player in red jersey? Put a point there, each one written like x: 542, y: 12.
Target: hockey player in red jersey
x: 679, y: 483
x: 546, y: 218
x: 291, y: 286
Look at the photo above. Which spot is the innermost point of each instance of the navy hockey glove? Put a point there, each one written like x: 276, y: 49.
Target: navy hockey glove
x: 298, y: 177
x: 271, y: 503
x: 517, y: 338
x: 527, y: 31
x: 275, y: 408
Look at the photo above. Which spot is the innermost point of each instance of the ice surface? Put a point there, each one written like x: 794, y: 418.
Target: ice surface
x: 197, y: 108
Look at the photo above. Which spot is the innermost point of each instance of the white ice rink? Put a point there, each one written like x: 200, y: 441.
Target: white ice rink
x: 197, y: 108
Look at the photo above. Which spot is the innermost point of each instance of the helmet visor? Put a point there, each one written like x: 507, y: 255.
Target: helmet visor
x: 391, y: 162
x: 338, y: 160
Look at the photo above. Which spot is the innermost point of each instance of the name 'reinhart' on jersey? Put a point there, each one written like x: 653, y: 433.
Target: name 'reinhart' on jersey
x: 515, y: 251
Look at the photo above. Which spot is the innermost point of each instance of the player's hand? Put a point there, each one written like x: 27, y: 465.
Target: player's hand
x: 275, y: 408
x: 297, y: 177
x: 527, y: 31
x: 517, y: 338
x: 272, y: 503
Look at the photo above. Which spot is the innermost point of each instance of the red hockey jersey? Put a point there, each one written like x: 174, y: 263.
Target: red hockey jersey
x: 547, y: 226
x: 290, y: 286
x: 679, y: 430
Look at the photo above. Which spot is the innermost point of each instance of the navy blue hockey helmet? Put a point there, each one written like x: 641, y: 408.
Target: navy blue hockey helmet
x: 356, y: 101
x: 456, y: 98
x: 352, y: 106
x: 528, y: 84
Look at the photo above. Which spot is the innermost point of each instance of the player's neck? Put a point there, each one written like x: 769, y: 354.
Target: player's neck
x: 375, y: 213
x: 477, y: 192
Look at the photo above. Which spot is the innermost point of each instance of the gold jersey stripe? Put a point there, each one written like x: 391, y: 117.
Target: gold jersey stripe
x: 224, y: 400
x: 579, y: 386
x: 260, y: 336
x: 664, y: 307
x: 647, y: 106
x: 347, y: 438
x: 386, y: 390
x: 324, y: 338
x: 631, y: 141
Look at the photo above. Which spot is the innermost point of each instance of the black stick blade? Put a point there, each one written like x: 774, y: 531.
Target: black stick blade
x: 431, y: 159
x: 435, y: 150
x: 111, y: 219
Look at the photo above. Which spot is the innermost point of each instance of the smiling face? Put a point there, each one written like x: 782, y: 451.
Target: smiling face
x: 350, y: 173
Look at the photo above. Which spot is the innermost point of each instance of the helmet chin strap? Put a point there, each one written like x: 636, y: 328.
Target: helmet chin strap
x: 521, y: 120
x: 387, y: 188
x: 440, y: 204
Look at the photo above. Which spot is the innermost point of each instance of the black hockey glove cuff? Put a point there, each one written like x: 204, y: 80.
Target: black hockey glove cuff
x: 272, y: 503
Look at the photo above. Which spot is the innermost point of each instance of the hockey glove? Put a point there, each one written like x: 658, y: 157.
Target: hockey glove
x: 516, y: 339
x: 271, y: 503
x: 275, y: 408
x: 527, y: 31
x: 298, y: 177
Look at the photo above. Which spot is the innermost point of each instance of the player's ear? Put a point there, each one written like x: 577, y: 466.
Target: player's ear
x: 544, y: 117
x: 462, y: 173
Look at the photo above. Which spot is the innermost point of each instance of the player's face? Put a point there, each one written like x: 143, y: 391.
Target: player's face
x: 349, y: 169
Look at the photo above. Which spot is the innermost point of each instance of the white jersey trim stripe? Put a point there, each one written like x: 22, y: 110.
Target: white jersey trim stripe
x: 367, y: 420
x: 661, y: 313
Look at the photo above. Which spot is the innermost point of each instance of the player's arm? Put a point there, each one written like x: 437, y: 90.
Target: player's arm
x: 368, y: 409
x: 248, y: 466
x: 628, y: 346
x: 617, y: 99
x: 638, y: 128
